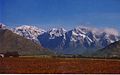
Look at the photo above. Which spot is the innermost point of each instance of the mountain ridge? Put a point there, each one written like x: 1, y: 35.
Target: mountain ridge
x: 80, y: 39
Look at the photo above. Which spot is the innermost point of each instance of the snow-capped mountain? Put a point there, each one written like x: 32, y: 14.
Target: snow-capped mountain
x: 57, y: 32
x: 80, y: 36
x: 3, y: 26
x: 29, y: 32
x: 78, y: 40
x: 54, y: 38
x: 88, y: 37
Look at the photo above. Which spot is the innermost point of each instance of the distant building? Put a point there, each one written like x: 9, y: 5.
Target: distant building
x: 1, y: 55
x: 9, y: 54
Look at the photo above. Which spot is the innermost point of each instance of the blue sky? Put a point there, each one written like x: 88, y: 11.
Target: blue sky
x: 61, y: 13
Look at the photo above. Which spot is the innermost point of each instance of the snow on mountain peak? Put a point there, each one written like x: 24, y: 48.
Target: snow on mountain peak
x: 2, y: 25
x: 80, y: 34
x: 79, y: 37
x: 29, y: 32
x: 57, y: 32
x: 27, y: 27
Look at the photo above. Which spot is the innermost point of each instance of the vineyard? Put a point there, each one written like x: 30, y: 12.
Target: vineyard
x: 48, y: 65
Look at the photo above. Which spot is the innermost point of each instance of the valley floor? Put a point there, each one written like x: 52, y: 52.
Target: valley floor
x: 38, y: 65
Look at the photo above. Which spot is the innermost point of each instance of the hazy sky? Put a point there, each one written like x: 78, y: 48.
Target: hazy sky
x: 67, y: 13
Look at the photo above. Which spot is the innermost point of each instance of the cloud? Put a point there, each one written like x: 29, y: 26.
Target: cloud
x: 112, y: 31
x: 98, y: 31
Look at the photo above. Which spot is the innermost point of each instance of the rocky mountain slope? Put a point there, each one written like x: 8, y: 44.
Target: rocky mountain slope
x: 10, y: 41
x: 112, y: 50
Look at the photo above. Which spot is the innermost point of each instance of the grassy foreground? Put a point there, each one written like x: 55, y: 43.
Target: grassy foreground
x: 48, y: 65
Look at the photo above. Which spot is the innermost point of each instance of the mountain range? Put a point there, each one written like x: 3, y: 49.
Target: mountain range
x: 79, y: 40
